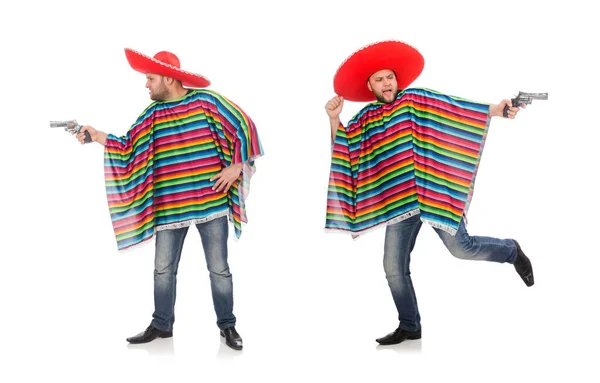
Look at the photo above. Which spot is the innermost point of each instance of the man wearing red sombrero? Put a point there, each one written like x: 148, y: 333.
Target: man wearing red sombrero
x: 187, y: 160
x: 408, y: 157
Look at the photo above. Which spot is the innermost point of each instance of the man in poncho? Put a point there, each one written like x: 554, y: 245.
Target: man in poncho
x: 187, y: 160
x: 409, y: 157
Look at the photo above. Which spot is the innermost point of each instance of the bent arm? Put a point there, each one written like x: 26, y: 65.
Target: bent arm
x: 335, y: 124
x: 334, y: 108
x: 95, y: 135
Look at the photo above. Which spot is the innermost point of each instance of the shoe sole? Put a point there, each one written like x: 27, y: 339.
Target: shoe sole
x: 234, y: 347
x: 168, y: 335
x: 412, y: 337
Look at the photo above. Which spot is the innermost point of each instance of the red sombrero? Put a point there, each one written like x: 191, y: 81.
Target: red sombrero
x: 350, y: 80
x: 165, y: 64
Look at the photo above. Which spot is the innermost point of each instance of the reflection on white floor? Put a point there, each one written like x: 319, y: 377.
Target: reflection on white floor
x: 158, y: 347
x: 409, y: 346
x: 165, y: 347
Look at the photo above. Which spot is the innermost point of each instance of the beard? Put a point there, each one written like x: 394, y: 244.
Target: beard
x: 160, y: 93
x: 160, y: 96
x: 380, y: 97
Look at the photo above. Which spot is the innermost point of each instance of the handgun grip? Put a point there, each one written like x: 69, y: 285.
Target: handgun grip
x: 514, y: 102
x: 87, y: 138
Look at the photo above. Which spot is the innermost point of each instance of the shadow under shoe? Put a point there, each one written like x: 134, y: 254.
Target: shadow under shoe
x: 398, y: 336
x: 232, y: 338
x: 523, y: 266
x: 149, y: 335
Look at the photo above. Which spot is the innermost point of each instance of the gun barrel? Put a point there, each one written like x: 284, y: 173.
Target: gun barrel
x: 64, y: 124
x: 534, y: 96
x: 58, y: 124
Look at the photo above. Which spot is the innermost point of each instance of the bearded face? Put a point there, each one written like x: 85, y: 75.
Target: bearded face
x: 384, y: 86
x: 157, y: 87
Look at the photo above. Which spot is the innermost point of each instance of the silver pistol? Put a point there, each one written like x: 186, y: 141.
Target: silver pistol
x: 525, y: 98
x: 72, y: 127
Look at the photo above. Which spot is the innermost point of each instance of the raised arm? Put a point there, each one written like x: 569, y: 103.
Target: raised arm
x: 333, y: 109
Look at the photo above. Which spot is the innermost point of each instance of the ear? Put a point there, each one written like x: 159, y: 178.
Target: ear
x: 369, y: 85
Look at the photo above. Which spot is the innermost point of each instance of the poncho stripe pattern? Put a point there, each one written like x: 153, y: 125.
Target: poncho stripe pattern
x: 158, y: 175
x: 417, y: 155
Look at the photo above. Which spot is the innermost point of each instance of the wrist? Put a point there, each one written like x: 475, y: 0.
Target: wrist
x: 334, y: 122
x: 100, y: 137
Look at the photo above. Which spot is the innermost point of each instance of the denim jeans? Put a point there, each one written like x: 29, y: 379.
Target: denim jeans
x: 166, y: 261
x: 399, y: 242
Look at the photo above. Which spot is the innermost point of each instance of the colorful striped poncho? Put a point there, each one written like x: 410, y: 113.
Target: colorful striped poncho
x: 157, y: 175
x: 417, y: 155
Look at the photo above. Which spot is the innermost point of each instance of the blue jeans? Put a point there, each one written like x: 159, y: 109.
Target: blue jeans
x: 399, y: 242
x: 166, y: 261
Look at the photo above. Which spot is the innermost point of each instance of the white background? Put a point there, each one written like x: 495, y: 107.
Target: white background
x: 309, y: 304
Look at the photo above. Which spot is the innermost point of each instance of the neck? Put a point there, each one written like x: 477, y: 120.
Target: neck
x: 177, y: 92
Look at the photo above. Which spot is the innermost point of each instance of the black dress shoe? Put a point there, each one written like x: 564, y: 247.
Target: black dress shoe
x: 149, y: 335
x: 400, y: 335
x: 232, y: 338
x: 523, y: 266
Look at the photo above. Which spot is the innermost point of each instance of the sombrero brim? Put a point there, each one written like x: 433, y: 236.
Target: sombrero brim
x: 350, y: 80
x: 145, y: 64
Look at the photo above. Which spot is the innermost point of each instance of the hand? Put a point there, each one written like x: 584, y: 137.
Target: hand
x: 497, y: 110
x: 226, y: 177
x: 334, y: 107
x: 81, y: 136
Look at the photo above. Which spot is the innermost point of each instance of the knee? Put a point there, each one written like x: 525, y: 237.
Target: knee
x: 220, y: 271
x: 463, y: 248
x: 461, y: 255
x: 164, y: 270
x: 394, y: 270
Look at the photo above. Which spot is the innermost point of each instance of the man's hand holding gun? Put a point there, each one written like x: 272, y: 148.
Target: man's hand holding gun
x: 509, y: 108
x: 84, y: 134
x: 96, y: 135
